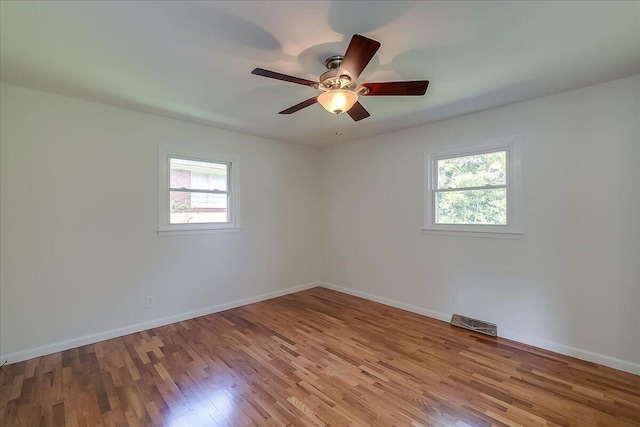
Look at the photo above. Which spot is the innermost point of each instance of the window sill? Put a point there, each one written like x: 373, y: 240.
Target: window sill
x: 481, y: 234
x: 169, y: 232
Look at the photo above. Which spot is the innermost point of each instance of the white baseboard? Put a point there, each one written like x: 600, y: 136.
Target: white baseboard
x: 114, y: 333
x: 387, y: 301
x: 566, y: 350
x: 578, y: 353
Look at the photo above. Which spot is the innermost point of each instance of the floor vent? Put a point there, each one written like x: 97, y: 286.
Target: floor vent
x: 474, y: 325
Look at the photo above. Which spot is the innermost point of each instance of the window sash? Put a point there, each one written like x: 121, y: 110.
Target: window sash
x: 228, y: 192
x: 195, y: 159
x: 436, y: 211
x: 435, y: 190
x: 435, y: 175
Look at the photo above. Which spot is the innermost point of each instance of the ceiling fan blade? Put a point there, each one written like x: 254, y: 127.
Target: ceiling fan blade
x: 298, y: 107
x: 358, y: 55
x: 411, y: 88
x: 357, y: 112
x: 278, y: 76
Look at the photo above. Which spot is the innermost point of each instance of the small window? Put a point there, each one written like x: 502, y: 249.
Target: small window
x: 195, y: 192
x: 198, y: 191
x: 476, y: 190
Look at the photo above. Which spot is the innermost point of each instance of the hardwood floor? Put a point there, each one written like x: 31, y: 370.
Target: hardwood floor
x: 316, y: 357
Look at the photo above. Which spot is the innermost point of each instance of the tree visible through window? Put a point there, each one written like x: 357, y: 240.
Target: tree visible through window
x: 472, y: 189
x: 475, y: 190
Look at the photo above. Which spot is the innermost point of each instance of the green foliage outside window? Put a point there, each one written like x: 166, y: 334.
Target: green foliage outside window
x: 472, y: 189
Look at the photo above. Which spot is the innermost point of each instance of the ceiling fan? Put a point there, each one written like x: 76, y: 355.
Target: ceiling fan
x: 338, y: 85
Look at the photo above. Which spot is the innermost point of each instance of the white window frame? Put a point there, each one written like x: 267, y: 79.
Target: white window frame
x: 513, y: 228
x: 164, y: 226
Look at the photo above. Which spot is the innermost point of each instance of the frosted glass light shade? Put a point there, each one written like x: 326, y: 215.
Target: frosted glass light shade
x: 338, y: 101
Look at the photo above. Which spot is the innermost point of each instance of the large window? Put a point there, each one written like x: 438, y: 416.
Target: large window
x: 195, y: 192
x: 474, y: 190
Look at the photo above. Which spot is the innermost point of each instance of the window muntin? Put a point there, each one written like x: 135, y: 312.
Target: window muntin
x: 474, y: 191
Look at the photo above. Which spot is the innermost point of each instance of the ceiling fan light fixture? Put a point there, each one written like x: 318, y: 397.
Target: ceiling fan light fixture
x: 338, y: 100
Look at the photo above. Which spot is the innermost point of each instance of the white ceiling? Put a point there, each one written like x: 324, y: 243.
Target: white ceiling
x: 192, y: 60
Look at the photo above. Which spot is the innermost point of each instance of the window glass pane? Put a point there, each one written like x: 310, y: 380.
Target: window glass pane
x: 197, y: 208
x: 477, y: 170
x: 204, y: 200
x: 196, y: 175
x: 487, y: 207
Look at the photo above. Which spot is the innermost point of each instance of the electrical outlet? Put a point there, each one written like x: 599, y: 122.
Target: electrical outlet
x: 148, y: 302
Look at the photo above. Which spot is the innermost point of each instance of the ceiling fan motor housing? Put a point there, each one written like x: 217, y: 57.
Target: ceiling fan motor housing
x: 329, y: 80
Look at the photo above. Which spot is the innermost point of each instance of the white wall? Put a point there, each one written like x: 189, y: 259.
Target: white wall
x: 79, y: 247
x: 80, y: 251
x: 571, y: 284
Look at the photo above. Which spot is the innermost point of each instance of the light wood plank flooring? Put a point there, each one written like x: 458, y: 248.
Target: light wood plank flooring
x: 314, y: 358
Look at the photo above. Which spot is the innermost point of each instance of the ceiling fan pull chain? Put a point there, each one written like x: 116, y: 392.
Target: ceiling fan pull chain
x: 338, y: 131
